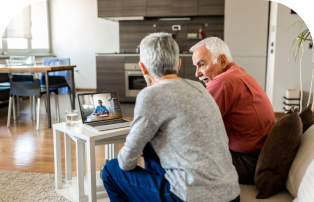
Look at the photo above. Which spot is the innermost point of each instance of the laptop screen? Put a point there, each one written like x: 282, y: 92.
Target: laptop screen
x: 99, y: 106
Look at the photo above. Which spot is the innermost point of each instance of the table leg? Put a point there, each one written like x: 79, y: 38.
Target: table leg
x: 106, y: 152
x: 14, y: 112
x: 80, y: 168
x: 67, y: 151
x: 18, y: 105
x: 115, y: 150
x: 48, y: 100
x: 110, y: 151
x: 91, y: 171
x: 57, y: 158
x: 84, y: 161
x: 31, y: 102
x: 73, y: 90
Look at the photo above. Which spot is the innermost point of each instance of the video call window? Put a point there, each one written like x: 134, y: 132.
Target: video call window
x: 98, y: 107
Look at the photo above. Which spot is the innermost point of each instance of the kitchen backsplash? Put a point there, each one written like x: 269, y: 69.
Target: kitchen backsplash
x: 132, y: 32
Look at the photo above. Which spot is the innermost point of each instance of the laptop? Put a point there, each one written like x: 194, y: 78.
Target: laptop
x: 101, y: 111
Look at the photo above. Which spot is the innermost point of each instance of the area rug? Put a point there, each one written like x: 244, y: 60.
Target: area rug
x: 28, y: 187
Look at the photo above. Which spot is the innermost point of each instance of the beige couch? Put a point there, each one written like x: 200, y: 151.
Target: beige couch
x: 300, y: 182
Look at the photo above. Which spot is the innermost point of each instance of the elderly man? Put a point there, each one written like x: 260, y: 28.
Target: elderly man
x: 101, y: 109
x: 185, y: 160
x: 246, y: 110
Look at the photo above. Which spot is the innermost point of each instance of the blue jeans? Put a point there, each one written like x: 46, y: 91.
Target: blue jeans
x: 139, y: 184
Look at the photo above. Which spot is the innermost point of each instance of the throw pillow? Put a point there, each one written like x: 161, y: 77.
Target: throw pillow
x: 307, y: 118
x: 277, y: 154
x: 301, y: 162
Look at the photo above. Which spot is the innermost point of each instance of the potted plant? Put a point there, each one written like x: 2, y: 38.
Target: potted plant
x: 298, y: 43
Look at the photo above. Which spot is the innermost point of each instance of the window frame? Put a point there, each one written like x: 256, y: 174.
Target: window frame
x: 29, y: 50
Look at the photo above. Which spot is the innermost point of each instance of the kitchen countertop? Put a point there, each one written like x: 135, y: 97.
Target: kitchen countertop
x: 135, y: 54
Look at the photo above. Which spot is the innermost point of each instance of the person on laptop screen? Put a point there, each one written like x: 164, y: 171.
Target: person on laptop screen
x: 185, y: 147
x: 100, y: 109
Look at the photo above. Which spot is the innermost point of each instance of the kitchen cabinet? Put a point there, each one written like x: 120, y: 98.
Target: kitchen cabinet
x: 189, y: 69
x: 133, y: 8
x: 211, y: 7
x: 160, y: 8
x: 110, y: 75
x: 184, y: 7
x: 109, y: 8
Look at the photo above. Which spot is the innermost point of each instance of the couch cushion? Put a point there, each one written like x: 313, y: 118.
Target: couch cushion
x: 277, y: 154
x: 307, y: 118
x: 301, y: 162
x: 248, y: 193
x: 305, y: 193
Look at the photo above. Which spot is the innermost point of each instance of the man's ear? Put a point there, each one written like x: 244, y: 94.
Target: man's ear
x: 179, y: 66
x: 223, y: 60
x: 143, y: 68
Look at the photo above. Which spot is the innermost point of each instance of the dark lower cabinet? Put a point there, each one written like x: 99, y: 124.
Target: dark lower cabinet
x: 189, y: 69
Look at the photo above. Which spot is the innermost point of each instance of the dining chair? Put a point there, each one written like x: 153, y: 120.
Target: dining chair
x: 27, y: 85
x: 20, y: 61
x: 61, y: 80
x: 23, y: 88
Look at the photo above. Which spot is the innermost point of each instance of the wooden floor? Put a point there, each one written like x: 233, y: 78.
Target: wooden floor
x: 24, y: 149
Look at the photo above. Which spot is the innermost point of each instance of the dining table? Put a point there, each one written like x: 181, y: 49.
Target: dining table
x: 45, y: 69
x: 98, y: 117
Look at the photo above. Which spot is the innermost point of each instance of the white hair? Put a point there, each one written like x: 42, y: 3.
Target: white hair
x: 159, y: 52
x: 216, y: 47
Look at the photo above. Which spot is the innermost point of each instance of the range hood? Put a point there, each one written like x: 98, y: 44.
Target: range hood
x: 117, y: 19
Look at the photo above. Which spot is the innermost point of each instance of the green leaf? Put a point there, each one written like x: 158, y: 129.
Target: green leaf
x: 308, y: 34
x: 294, y: 24
x: 298, y: 45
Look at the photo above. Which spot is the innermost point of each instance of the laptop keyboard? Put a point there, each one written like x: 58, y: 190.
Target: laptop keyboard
x: 103, y: 123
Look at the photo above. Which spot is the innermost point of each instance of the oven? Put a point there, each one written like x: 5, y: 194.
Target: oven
x: 134, y: 79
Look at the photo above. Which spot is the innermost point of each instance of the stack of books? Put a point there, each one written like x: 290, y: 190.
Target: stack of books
x: 292, y: 98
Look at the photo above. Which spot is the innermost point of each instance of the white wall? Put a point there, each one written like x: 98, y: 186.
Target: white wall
x: 246, y: 24
x: 286, y: 71
x: 77, y: 33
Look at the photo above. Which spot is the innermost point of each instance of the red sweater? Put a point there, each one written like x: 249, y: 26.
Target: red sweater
x: 246, y: 110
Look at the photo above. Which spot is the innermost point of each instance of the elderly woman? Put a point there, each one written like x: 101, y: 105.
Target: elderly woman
x: 185, y: 147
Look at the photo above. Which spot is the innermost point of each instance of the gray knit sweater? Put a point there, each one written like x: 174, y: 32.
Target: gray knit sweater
x: 184, y: 125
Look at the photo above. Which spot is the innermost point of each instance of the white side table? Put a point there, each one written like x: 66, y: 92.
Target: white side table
x: 74, y: 189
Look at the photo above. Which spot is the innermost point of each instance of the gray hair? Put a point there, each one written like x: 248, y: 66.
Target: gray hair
x: 216, y: 47
x: 159, y: 52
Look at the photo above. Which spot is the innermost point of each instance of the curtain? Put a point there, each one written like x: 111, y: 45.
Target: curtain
x: 20, y: 25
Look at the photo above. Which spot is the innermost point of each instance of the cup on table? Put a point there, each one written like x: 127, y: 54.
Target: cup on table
x: 72, y: 118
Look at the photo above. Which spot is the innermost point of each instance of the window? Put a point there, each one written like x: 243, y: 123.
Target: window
x: 27, y: 32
